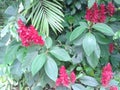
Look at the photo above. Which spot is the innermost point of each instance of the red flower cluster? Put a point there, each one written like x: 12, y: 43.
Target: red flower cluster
x: 111, y: 9
x: 106, y: 75
x: 64, y: 79
x: 98, y: 14
x: 111, y: 47
x: 113, y: 88
x: 29, y: 35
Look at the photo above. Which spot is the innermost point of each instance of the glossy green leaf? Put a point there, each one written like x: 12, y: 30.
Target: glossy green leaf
x: 77, y: 32
x: 38, y: 63
x: 89, y: 43
x: 90, y: 3
x: 90, y: 81
x: 48, y: 42
x: 60, y: 53
x: 92, y: 60
x: 51, y: 69
x: 103, y: 28
x: 78, y: 87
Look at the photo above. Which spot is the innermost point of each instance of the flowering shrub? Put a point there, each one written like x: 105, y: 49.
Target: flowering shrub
x: 29, y: 35
x: 45, y: 46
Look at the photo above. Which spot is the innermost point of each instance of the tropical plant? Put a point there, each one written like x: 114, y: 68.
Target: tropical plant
x: 60, y: 45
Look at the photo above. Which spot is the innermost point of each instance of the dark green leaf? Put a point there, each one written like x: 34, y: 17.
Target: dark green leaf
x: 38, y: 63
x: 103, y: 28
x: 77, y: 32
x: 90, y: 81
x: 51, y: 69
x: 60, y: 54
x: 89, y: 43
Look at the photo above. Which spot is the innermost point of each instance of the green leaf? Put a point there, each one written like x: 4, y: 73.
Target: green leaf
x: 102, y: 39
x: 102, y: 88
x: 69, y: 1
x: 90, y: 3
x: 103, y: 28
x: 97, y: 51
x: 60, y: 53
x: 117, y: 1
x: 78, y: 87
x: 38, y: 63
x: 62, y: 88
x: 92, y: 60
x: 11, y: 54
x: 77, y: 32
x: 51, y: 69
x: 12, y: 11
x: 89, y: 43
x: 90, y: 81
x: 48, y: 42
x: 78, y: 5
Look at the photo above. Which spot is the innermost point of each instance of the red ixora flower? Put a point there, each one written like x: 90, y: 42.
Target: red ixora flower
x: 113, y: 88
x: 111, y: 47
x: 106, y: 75
x: 110, y: 9
x: 28, y: 35
x: 64, y: 79
x: 97, y: 14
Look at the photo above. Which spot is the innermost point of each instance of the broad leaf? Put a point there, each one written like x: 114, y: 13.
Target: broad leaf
x: 90, y: 3
x: 102, y: 39
x: 90, y: 81
x: 78, y: 87
x: 11, y: 54
x: 103, y: 28
x: 48, y: 42
x: 38, y: 63
x: 60, y: 53
x: 62, y: 88
x: 51, y: 69
x: 92, y: 60
x: 89, y: 43
x: 117, y: 1
x: 77, y: 32
x: 12, y: 11
x: 97, y: 51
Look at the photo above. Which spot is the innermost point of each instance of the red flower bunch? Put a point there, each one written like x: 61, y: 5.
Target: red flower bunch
x: 98, y: 14
x: 106, y: 75
x: 111, y: 9
x: 64, y: 79
x: 111, y: 47
x: 29, y: 35
x: 113, y: 88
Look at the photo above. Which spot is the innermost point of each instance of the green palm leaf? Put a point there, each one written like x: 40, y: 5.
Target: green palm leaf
x: 45, y: 15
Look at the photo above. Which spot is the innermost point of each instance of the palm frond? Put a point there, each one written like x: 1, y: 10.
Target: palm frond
x: 45, y: 14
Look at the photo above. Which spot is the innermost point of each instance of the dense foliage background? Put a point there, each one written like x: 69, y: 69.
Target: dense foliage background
x: 83, y: 47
